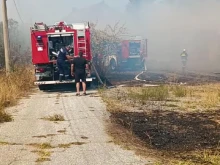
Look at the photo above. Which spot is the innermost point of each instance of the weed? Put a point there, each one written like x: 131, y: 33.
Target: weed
x: 40, y: 160
x: 84, y: 137
x: 160, y: 93
x: 40, y: 136
x: 70, y: 144
x: 7, y: 143
x: 64, y: 145
x: 179, y: 91
x: 62, y: 131
x: 4, y: 143
x: 77, y: 143
x: 42, y: 153
x: 4, y: 117
x: 54, y: 117
x: 42, y: 145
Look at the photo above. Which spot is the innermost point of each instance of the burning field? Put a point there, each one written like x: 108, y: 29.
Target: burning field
x: 175, y: 122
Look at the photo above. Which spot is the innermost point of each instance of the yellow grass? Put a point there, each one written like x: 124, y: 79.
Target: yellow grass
x: 13, y: 87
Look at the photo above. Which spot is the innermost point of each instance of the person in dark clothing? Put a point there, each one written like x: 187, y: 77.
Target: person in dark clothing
x: 78, y: 69
x: 63, y: 55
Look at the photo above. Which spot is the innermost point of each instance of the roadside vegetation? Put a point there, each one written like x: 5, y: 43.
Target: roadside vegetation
x: 55, y: 118
x: 177, y: 125
x: 12, y: 88
x: 20, y: 81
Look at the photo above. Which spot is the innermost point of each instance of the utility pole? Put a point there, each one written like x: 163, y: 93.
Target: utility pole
x: 6, y: 36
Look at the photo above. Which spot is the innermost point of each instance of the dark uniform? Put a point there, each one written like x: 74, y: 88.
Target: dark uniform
x: 63, y: 70
x: 184, y: 56
x: 80, y: 69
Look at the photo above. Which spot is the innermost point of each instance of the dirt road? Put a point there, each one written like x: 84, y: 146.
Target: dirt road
x: 80, y: 139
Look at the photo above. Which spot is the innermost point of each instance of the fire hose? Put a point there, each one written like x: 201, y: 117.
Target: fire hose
x: 97, y: 74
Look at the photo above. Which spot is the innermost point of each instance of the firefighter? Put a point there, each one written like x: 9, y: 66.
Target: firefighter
x: 63, y: 55
x: 184, y: 57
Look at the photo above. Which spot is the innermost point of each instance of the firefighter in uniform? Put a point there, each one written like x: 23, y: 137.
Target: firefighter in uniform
x: 184, y: 57
x: 63, y: 55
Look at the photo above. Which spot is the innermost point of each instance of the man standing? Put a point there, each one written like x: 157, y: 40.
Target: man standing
x: 78, y: 69
x: 63, y: 55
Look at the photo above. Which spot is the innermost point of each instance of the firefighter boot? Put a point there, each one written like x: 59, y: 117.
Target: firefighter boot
x: 60, y: 78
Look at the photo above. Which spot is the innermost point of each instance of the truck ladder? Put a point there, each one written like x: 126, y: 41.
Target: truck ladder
x: 82, y: 42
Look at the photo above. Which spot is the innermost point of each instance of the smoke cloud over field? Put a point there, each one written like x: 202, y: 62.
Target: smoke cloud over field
x: 169, y: 25
x: 177, y: 25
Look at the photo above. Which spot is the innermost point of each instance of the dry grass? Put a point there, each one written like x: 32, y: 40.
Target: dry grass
x: 41, y: 145
x: 3, y: 143
x: 62, y: 131
x: 12, y: 87
x: 55, y: 117
x: 160, y: 93
x: 205, y: 157
x: 179, y: 91
x: 42, y: 159
x: 42, y: 153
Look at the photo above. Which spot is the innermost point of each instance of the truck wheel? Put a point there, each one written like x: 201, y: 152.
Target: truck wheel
x: 42, y: 87
x: 112, y: 65
x: 45, y: 87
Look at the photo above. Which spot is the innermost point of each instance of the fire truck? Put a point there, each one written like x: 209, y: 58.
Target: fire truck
x: 48, y: 40
x: 128, y: 54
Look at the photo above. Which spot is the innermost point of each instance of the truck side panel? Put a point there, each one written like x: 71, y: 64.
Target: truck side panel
x: 39, y: 48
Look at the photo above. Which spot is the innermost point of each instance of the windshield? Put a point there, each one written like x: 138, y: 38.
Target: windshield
x: 134, y: 48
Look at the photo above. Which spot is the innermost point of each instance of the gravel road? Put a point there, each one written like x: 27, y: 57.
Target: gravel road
x: 79, y: 140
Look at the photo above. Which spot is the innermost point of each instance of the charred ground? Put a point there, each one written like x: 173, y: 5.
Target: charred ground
x: 180, y: 124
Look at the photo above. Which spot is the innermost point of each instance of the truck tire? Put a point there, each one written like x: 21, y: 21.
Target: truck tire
x: 41, y: 87
x: 45, y: 87
x: 113, y: 65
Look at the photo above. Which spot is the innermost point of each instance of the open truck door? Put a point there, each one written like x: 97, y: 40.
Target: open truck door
x: 47, y: 41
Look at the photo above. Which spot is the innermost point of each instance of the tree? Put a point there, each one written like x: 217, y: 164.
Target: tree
x: 20, y: 54
x: 105, y: 42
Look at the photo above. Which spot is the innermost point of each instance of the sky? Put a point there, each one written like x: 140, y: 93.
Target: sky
x: 50, y: 10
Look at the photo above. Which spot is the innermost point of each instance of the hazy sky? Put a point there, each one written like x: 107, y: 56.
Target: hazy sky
x: 46, y: 10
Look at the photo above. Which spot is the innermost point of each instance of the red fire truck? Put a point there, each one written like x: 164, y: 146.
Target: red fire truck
x: 128, y: 54
x: 48, y: 40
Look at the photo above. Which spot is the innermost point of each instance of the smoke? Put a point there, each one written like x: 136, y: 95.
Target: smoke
x: 169, y: 25
x: 173, y: 26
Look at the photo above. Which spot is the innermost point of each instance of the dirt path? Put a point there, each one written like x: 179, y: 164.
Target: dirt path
x: 80, y: 139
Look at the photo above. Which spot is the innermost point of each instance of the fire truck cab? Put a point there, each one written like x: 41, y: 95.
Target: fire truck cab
x: 48, y: 40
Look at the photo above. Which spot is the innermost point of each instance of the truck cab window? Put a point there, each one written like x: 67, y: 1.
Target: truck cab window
x: 134, y: 48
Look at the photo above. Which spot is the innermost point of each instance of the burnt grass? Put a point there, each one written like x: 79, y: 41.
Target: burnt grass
x: 189, y: 78
x: 173, y: 133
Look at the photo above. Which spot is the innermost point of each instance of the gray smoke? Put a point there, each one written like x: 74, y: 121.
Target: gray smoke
x: 172, y: 26
x: 169, y: 25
